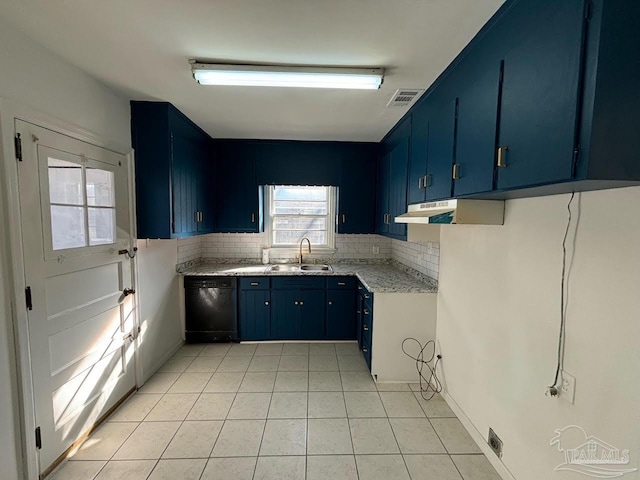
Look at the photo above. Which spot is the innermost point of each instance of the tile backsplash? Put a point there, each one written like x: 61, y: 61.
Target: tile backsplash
x: 421, y: 257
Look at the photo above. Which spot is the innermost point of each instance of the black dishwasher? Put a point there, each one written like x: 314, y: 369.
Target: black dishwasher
x: 211, y: 309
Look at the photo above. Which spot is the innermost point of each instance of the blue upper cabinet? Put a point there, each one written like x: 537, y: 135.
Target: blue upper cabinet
x: 356, y: 192
x: 173, y: 172
x: 393, y: 169
x: 399, y: 163
x: 416, y: 187
x: 542, y: 101
x: 236, y: 188
x: 243, y: 167
x: 382, y: 200
x: 477, y: 85
x: 441, y: 150
x: 609, y: 149
x: 540, y: 93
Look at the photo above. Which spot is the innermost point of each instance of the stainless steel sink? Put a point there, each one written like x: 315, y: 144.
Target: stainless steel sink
x: 299, y: 268
x: 284, y: 268
x: 316, y: 268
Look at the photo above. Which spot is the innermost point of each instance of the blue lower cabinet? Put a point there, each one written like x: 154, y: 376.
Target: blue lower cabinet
x: 341, y: 315
x: 298, y: 308
x: 311, y: 318
x: 255, y: 315
x: 297, y: 314
x: 285, y: 314
x: 365, y: 322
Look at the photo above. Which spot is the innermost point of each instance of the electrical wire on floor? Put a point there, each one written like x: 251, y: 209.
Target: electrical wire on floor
x: 553, y: 388
x: 429, y: 385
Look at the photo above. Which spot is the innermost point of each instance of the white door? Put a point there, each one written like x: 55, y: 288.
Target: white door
x: 74, y: 205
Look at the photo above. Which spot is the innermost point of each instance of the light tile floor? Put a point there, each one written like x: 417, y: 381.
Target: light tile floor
x: 277, y: 412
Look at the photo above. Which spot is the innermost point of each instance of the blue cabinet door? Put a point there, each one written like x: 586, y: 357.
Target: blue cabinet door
x: 478, y: 86
x: 356, y: 193
x: 185, y: 162
x: 285, y: 314
x: 540, y: 94
x: 206, y: 189
x: 441, y: 153
x: 255, y: 314
x: 382, y: 204
x: 237, y: 192
x: 341, y: 315
x: 311, y: 314
x: 416, y: 191
x: 398, y: 187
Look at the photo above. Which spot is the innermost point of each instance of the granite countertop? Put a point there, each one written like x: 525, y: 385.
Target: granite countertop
x: 377, y: 278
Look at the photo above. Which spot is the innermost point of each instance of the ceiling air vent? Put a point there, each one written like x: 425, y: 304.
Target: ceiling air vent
x: 404, y: 97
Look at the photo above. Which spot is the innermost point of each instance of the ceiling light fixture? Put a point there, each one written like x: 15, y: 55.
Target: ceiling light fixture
x: 279, y: 76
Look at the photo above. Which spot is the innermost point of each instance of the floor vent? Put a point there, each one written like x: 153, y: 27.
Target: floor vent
x: 404, y: 97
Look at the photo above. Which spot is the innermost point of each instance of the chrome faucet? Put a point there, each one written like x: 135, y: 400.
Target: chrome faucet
x: 300, y: 255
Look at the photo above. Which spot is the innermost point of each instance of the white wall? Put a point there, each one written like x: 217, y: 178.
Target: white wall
x: 498, y: 321
x: 159, y: 302
x: 31, y: 75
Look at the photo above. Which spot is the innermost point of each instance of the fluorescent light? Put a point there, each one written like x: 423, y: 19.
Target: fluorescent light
x: 277, y: 76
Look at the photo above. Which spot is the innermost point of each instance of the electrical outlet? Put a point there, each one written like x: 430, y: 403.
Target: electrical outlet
x: 495, y: 443
x: 376, y: 249
x: 568, y: 387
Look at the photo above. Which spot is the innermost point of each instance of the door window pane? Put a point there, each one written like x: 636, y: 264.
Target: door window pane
x: 101, y: 226
x: 65, y: 182
x: 100, y: 191
x: 67, y: 227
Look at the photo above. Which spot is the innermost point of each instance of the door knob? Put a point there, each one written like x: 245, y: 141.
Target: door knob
x: 128, y: 291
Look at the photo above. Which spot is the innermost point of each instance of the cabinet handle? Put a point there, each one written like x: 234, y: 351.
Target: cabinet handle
x: 366, y: 312
x: 358, y: 312
x: 427, y: 180
x: 366, y: 295
x: 197, y: 216
x: 253, y: 218
x: 266, y: 303
x: 295, y: 303
x: 456, y: 171
x: 344, y: 218
x: 359, y: 287
x: 502, y: 163
x: 420, y: 183
x: 301, y: 303
x: 342, y: 284
x: 365, y: 350
x: 365, y: 328
x: 330, y: 302
x: 255, y: 284
x: 201, y: 217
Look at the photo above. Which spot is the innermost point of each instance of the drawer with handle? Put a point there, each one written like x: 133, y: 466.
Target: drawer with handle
x: 341, y: 283
x: 255, y: 283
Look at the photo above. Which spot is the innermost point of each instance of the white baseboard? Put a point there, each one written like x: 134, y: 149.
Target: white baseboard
x: 170, y: 353
x: 500, y: 467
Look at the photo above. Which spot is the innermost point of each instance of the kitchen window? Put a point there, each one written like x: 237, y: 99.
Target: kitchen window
x: 295, y: 212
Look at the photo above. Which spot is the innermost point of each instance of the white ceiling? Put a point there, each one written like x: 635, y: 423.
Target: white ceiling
x: 141, y: 49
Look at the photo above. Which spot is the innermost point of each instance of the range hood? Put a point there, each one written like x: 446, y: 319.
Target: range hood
x: 450, y: 212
